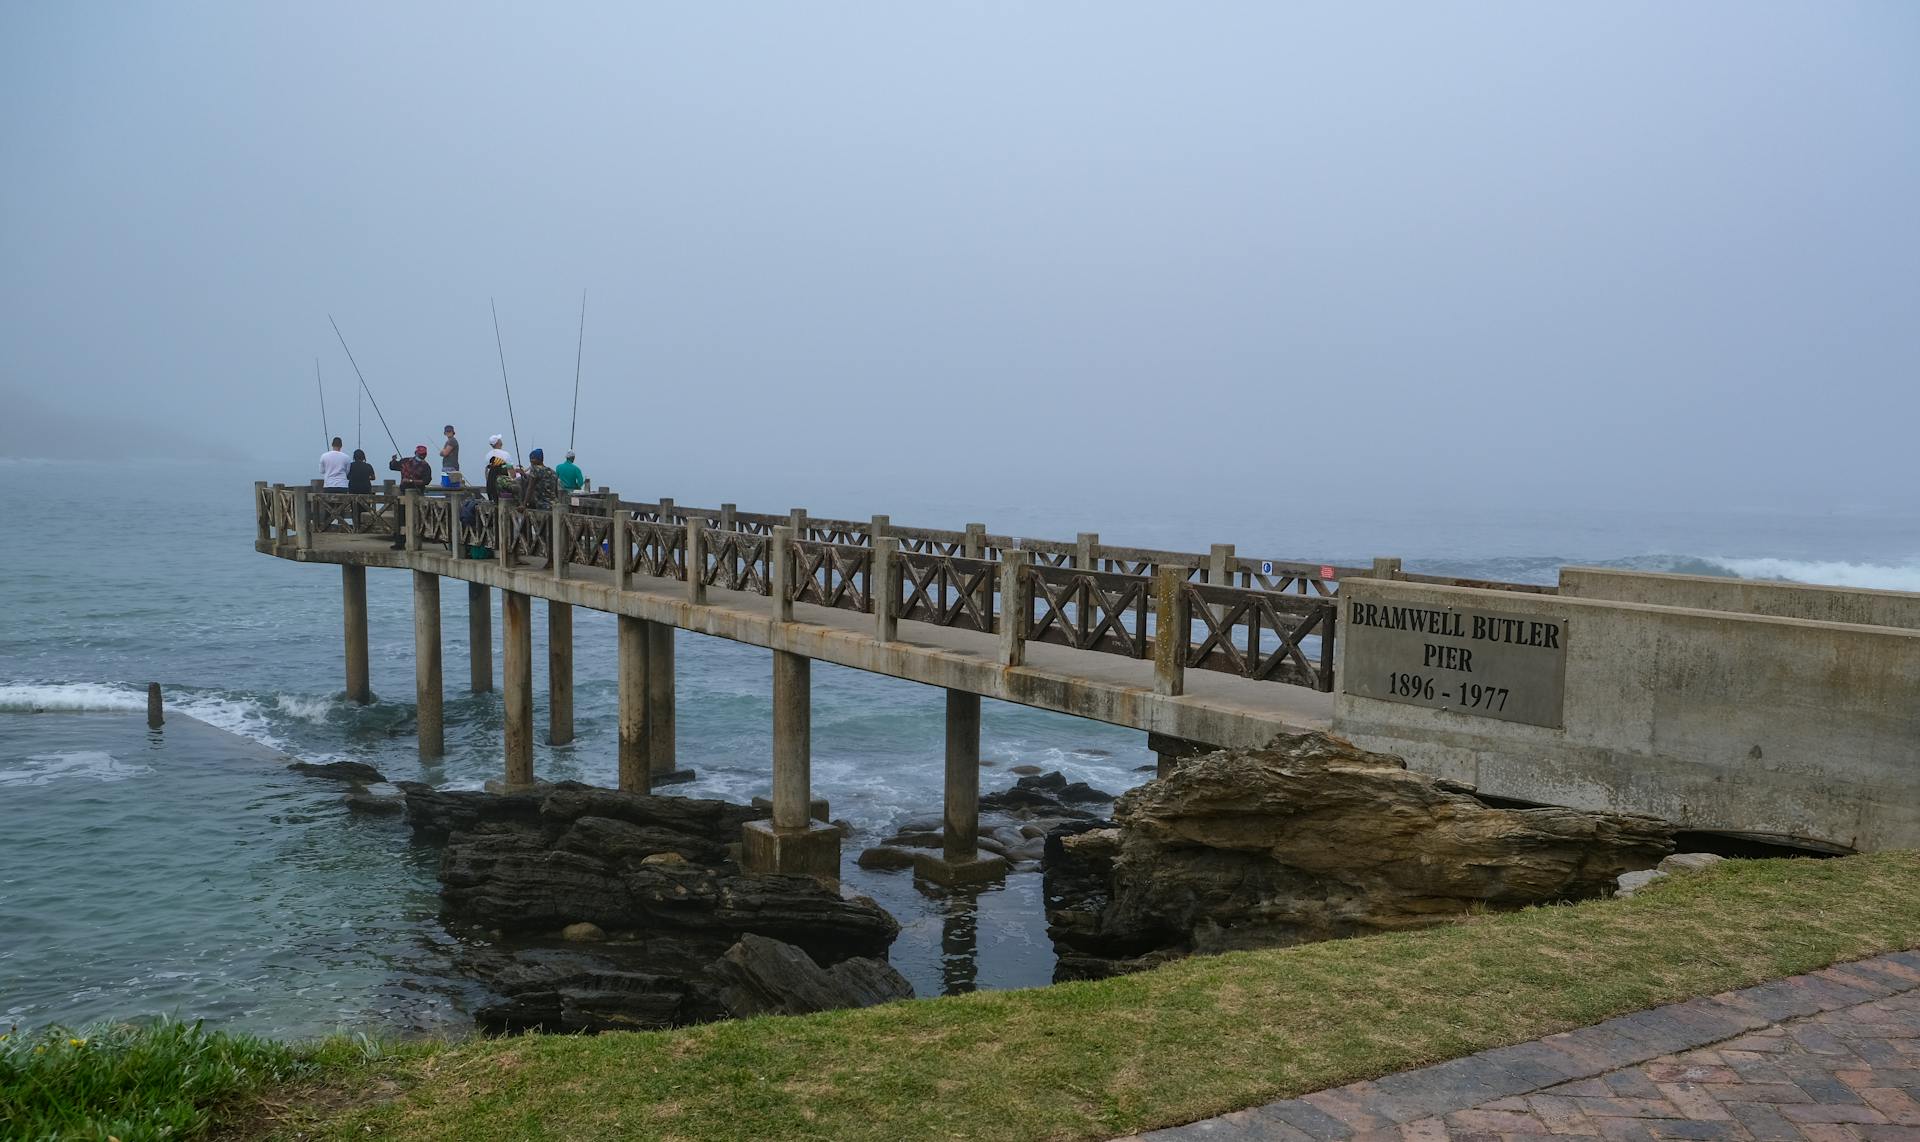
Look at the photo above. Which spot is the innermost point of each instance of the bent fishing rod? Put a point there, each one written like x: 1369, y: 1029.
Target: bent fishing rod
x: 577, y: 349
x: 518, y: 456
x: 324, y: 431
x: 363, y: 383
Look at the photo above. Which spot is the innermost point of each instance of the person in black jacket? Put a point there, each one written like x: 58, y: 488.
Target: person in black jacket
x: 359, y: 483
x: 415, y: 473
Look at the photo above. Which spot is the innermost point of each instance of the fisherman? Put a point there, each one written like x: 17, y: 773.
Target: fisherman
x: 333, y: 467
x: 571, y: 478
x: 415, y: 473
x: 540, y: 487
x: 450, y: 455
x: 360, y: 474
x: 498, y: 451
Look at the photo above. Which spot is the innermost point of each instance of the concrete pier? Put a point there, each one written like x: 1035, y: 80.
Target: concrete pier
x: 960, y: 860
x: 635, y: 773
x: 662, y: 762
x: 353, y: 607
x: 516, y: 614
x: 428, y: 695
x: 559, y: 673
x: 793, y: 842
x: 480, y: 635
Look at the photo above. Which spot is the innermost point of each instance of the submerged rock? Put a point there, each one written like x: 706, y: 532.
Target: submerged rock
x: 382, y: 798
x: 1311, y: 839
x: 650, y: 874
x: 357, y: 772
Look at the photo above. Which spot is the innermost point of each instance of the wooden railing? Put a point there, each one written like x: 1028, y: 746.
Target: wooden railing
x: 1263, y: 620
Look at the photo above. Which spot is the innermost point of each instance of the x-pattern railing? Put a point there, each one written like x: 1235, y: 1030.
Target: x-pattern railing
x: 834, y: 575
x: 586, y: 539
x: 948, y: 590
x: 1090, y: 610
x: 1235, y: 620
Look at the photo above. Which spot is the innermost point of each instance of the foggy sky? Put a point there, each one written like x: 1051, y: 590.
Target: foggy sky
x: 1610, y: 255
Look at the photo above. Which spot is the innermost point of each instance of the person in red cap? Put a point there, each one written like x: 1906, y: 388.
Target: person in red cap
x: 415, y: 472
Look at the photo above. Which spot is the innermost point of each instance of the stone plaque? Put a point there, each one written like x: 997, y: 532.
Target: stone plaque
x: 1481, y: 664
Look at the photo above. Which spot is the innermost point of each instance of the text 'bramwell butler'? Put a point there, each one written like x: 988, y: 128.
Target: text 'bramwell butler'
x: 1452, y: 624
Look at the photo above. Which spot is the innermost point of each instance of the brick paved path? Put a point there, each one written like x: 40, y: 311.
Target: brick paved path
x: 1827, y: 1056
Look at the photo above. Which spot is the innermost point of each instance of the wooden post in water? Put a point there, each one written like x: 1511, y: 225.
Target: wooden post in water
x: 353, y: 606
x: 635, y: 773
x: 428, y: 692
x: 517, y: 676
x: 155, y: 717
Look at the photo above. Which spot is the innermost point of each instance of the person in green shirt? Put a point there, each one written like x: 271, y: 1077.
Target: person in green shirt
x: 570, y: 478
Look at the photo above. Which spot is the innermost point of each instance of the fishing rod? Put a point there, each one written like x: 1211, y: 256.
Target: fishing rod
x: 576, y: 370
x: 363, y: 383
x: 323, y: 403
x: 356, y: 419
x: 503, y: 382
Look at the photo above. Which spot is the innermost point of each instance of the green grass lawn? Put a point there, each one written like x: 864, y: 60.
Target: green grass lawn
x: 1091, y: 1060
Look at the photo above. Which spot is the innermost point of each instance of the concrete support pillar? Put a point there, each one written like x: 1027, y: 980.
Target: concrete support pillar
x: 428, y: 696
x: 516, y: 623
x: 963, y: 775
x: 353, y: 606
x: 480, y: 635
x: 960, y: 860
x: 559, y: 673
x: 1171, y: 753
x: 792, y: 739
x: 635, y: 773
x: 662, y: 761
x: 792, y: 842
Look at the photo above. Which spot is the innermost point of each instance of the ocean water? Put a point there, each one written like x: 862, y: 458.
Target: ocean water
x: 190, y: 873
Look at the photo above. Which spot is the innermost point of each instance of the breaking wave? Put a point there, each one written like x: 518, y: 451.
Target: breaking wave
x: 1834, y: 573
x: 68, y: 765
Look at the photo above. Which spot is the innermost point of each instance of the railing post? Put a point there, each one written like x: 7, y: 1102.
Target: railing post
x: 390, y: 493
x: 1219, y: 565
x: 780, y: 574
x: 879, y: 527
x: 727, y: 512
x: 303, y: 518
x: 797, y: 522
x: 455, y: 540
x: 1086, y: 551
x: 881, y: 589
x: 975, y: 545
x: 666, y: 509
x: 263, y: 512
x: 557, y: 546
x: 284, y: 530
x: 618, y: 543
x: 1172, y: 629
x: 1016, y: 608
x: 1386, y: 568
x: 503, y: 527
x: 414, y: 500
x: 696, y: 562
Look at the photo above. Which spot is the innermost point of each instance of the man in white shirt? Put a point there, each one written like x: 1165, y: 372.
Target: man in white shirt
x: 333, y: 467
x: 496, y: 447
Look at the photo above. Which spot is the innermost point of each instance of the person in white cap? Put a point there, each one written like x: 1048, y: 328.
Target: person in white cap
x: 495, y: 444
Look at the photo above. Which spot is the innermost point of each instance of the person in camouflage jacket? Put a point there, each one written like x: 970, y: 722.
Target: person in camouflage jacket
x: 540, y: 487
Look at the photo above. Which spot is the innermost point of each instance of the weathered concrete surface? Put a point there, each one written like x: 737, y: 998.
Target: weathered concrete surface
x: 1748, y: 596
x: 1215, y: 708
x: 1713, y: 720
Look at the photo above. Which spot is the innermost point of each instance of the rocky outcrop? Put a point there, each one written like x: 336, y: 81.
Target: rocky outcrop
x: 766, y: 977
x: 1014, y: 822
x: 1311, y: 839
x: 357, y: 772
x: 650, y: 883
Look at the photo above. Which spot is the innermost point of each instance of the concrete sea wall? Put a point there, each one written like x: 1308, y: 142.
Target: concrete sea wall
x: 1714, y: 720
